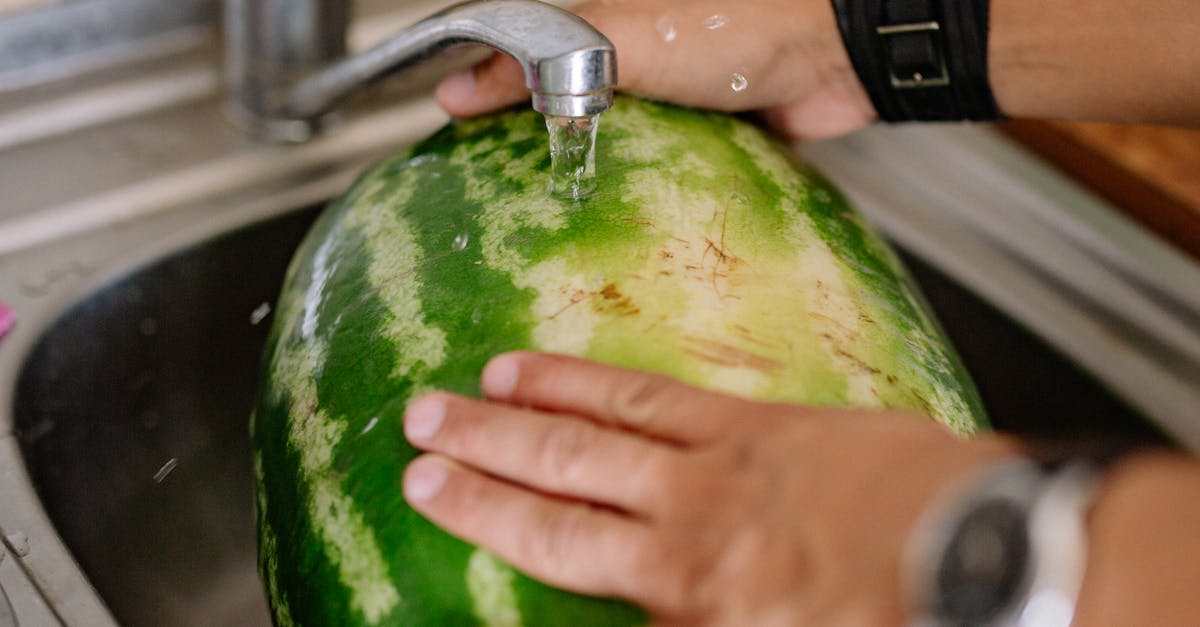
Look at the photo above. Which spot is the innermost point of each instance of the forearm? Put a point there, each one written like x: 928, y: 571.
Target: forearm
x: 1111, y: 60
x: 1144, y: 556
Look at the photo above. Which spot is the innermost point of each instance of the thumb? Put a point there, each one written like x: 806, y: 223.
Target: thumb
x: 493, y: 84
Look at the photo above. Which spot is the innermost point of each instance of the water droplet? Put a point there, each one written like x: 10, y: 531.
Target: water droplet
x: 476, y: 316
x: 18, y: 542
x: 370, y: 425
x: 165, y: 470
x: 461, y: 240
x: 713, y: 22
x: 666, y: 29
x: 260, y: 313
x: 738, y: 82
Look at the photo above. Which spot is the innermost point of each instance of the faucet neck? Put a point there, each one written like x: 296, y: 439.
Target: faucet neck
x: 284, y: 78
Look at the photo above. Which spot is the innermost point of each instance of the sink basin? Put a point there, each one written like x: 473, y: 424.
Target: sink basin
x: 131, y: 417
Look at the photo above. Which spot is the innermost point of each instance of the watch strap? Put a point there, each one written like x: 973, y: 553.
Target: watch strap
x: 920, y: 60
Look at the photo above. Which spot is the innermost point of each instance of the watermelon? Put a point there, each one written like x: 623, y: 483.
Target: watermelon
x: 705, y: 252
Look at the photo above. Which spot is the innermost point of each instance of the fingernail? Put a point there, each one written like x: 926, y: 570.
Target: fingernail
x: 424, y: 417
x: 424, y: 479
x: 458, y: 87
x: 500, y: 376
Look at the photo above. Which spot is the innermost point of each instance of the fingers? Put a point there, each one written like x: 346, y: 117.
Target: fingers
x: 565, y: 544
x: 650, y: 403
x: 704, y: 53
x: 555, y: 454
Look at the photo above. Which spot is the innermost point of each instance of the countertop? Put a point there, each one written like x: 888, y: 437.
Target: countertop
x: 1151, y: 173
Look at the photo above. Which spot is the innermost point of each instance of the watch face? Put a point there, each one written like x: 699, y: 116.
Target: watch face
x: 985, y: 564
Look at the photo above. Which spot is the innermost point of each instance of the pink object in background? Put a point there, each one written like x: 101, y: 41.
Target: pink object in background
x: 7, y: 319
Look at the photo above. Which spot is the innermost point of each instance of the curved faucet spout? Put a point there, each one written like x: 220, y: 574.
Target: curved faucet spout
x: 569, y: 66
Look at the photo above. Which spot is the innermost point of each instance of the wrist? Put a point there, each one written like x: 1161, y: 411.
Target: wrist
x: 1142, y: 544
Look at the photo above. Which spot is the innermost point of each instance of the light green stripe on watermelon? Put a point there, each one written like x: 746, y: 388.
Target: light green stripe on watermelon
x: 350, y: 544
x: 491, y: 584
x: 396, y: 255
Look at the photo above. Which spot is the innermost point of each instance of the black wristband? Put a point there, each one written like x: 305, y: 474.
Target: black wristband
x: 920, y: 59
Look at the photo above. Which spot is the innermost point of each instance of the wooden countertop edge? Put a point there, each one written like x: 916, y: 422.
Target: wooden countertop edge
x: 1167, y: 216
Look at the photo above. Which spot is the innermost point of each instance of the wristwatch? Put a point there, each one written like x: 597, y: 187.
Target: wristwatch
x: 1008, y: 549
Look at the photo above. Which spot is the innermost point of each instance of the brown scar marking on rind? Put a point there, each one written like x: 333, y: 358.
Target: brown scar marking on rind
x: 616, y: 301
x: 724, y: 354
x: 858, y: 362
x: 666, y: 254
x: 850, y: 333
x: 641, y: 221
x: 747, y: 335
x: 652, y: 325
x: 577, y: 297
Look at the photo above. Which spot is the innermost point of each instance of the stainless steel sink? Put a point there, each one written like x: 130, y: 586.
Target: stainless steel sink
x: 141, y: 236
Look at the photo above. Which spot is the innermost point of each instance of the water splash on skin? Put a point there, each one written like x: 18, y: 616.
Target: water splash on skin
x: 666, y: 29
x: 713, y: 22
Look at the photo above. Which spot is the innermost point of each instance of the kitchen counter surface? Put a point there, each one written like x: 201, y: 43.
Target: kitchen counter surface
x: 1150, y: 173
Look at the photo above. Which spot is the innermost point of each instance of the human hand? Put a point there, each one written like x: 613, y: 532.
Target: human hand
x: 704, y: 509
x: 789, y: 51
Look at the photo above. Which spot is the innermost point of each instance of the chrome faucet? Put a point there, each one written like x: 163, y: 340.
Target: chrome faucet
x: 286, y: 68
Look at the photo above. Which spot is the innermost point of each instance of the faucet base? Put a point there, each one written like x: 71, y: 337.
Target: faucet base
x: 277, y: 130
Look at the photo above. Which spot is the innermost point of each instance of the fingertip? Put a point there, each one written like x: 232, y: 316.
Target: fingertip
x: 424, y: 417
x: 457, y: 91
x: 424, y: 478
x: 499, y: 378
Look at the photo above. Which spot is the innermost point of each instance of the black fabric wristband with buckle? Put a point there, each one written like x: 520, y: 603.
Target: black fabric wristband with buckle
x: 920, y: 60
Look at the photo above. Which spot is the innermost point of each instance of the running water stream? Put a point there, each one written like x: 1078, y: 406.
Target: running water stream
x: 572, y: 156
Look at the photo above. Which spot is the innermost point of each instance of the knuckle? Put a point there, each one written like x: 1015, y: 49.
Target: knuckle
x: 676, y: 490
x: 561, y: 448
x: 640, y: 396
x: 558, y: 533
